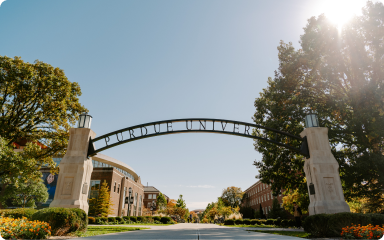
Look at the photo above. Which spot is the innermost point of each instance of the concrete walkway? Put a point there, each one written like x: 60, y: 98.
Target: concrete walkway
x: 191, y: 231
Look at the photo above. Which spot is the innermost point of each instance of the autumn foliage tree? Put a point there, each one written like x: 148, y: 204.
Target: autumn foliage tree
x: 101, y: 205
x: 338, y: 75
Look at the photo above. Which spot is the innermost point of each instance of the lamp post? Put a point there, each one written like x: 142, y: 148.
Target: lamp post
x: 153, y: 207
x: 84, y: 121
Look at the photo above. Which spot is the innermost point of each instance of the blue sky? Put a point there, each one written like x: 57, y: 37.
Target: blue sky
x: 144, y: 61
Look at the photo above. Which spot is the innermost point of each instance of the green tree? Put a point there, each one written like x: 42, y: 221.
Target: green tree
x: 37, y: 103
x: 161, y: 202
x: 337, y: 74
x: 101, y: 205
x: 26, y: 194
x: 276, y: 210
x: 180, y: 202
x: 232, y: 196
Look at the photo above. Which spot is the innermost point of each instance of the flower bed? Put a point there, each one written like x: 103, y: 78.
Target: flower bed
x: 362, y: 232
x: 23, y: 228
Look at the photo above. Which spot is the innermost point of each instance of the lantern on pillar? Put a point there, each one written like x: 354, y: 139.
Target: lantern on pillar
x: 84, y: 121
x: 311, y: 120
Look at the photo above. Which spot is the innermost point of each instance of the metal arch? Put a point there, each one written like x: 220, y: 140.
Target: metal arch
x: 303, y: 150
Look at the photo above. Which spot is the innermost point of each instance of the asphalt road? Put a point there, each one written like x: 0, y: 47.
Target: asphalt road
x: 191, y: 231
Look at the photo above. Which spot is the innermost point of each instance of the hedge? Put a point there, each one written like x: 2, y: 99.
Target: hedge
x: 229, y: 222
x: 157, y: 218
x: 270, y: 222
x: 133, y: 219
x: 126, y: 218
x: 91, y: 220
x: 247, y: 222
x: 239, y: 221
x: 19, y: 213
x: 83, y: 218
x: 118, y: 219
x: 111, y: 220
x: 141, y: 219
x: 61, y: 220
x: 330, y: 225
x: 376, y: 219
x: 165, y: 220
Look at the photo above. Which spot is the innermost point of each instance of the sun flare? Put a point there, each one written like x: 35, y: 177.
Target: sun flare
x: 341, y: 11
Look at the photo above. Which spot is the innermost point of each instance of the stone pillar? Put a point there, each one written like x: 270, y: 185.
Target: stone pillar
x: 322, y: 170
x: 75, y: 172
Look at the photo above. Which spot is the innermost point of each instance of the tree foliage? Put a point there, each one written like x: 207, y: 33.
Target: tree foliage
x: 339, y: 75
x: 180, y: 202
x: 102, y: 205
x: 301, y: 200
x: 26, y: 194
x: 161, y: 202
x: 37, y: 103
x: 232, y: 196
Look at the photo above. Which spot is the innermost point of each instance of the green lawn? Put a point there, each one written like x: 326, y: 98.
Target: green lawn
x: 252, y: 226
x: 285, y: 233
x: 99, y: 230
x: 147, y: 224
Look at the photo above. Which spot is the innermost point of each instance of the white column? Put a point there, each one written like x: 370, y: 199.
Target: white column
x: 322, y: 170
x: 75, y: 172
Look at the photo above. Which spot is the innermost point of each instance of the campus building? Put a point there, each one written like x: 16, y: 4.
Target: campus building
x: 261, y: 193
x: 119, y: 177
x: 150, y: 196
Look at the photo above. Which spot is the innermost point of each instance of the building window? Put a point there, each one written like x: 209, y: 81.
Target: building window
x: 149, y: 196
x: 140, y: 202
x: 267, y: 196
x: 154, y: 196
x: 114, y: 187
x: 94, y: 188
x: 149, y: 205
x: 271, y: 195
x: 269, y: 208
x: 135, y: 205
x: 118, y: 188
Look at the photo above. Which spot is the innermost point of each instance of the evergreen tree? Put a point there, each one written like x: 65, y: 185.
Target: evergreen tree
x: 276, y: 211
x: 180, y: 202
x: 102, y: 205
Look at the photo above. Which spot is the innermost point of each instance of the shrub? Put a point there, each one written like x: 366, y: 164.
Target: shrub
x: 277, y: 222
x: 82, y: 215
x: 239, y: 221
x: 20, y: 212
x: 103, y: 220
x: 229, y: 222
x: 205, y: 220
x: 262, y: 221
x: 111, y: 220
x: 247, y: 222
x: 126, y: 218
x: 149, y: 219
x: 165, y: 220
x: 376, y: 219
x: 91, y: 220
x: 331, y: 225
x: 118, y: 219
x: 157, y: 218
x: 133, y: 219
x: 254, y: 221
x: 270, y: 222
x: 24, y: 229
x: 61, y: 220
x: 141, y: 219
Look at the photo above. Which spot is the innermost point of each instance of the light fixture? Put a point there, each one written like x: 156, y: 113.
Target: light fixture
x: 84, y: 121
x: 311, y: 120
